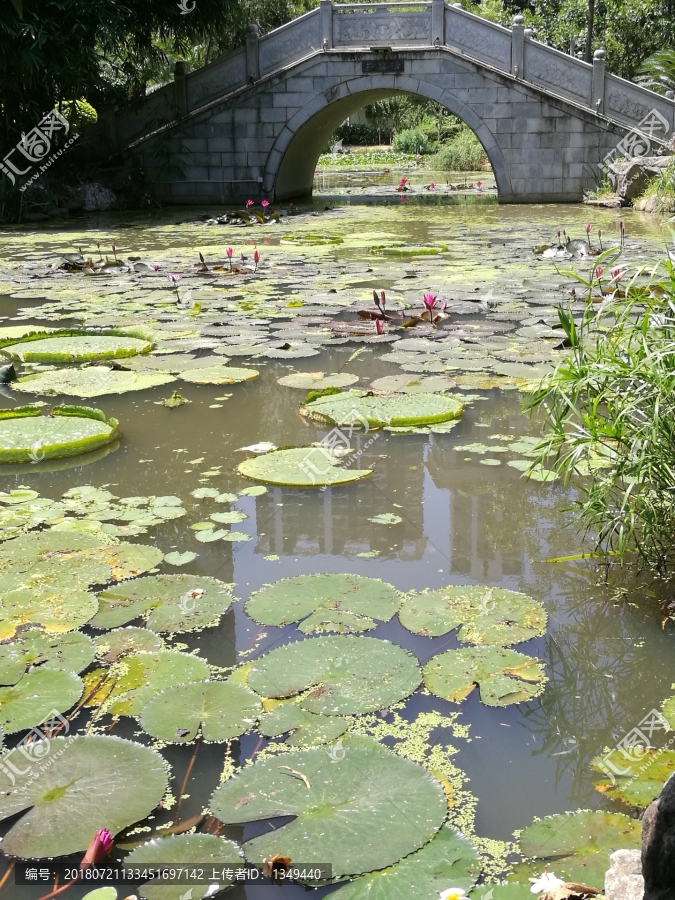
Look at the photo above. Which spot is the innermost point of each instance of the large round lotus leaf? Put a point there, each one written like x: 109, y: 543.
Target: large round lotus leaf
x: 352, y: 407
x: 126, y: 688
x: 300, y: 467
x: 366, y: 811
x: 70, y: 652
x: 171, y: 602
x: 338, y: 602
x: 346, y: 674
x: 448, y: 860
x: 410, y: 384
x: 78, y: 348
x: 486, y: 615
x: 576, y: 845
x: 318, y: 381
x: 205, y: 851
x: 57, y: 604
x: 34, y: 438
x: 118, y: 643
x: 635, y: 781
x: 92, y: 782
x: 36, y: 697
x: 505, y: 676
x: 92, y: 381
x: 305, y: 727
x: 218, y: 375
x: 222, y: 709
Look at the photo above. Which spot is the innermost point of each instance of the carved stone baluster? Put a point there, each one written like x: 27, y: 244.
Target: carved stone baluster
x: 438, y: 22
x: 598, y: 84
x: 180, y: 87
x: 326, y: 13
x: 252, y: 56
x: 518, y: 46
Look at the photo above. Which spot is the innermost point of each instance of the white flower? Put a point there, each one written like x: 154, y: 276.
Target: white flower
x: 545, y: 882
x: 453, y: 894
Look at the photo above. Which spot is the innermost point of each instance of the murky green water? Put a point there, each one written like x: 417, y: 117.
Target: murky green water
x: 608, y: 658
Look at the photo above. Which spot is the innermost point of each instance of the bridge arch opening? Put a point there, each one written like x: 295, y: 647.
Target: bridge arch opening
x: 292, y: 162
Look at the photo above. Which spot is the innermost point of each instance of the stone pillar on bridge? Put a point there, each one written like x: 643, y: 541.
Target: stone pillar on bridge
x: 252, y: 57
x: 438, y: 22
x: 518, y: 46
x: 598, y: 81
x: 326, y: 13
x: 180, y: 87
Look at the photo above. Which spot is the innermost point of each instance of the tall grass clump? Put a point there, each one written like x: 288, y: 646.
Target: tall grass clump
x: 610, y: 411
x: 463, y: 153
x: 411, y: 140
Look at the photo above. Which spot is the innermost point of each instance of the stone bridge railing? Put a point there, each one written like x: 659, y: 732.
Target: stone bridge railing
x: 399, y: 27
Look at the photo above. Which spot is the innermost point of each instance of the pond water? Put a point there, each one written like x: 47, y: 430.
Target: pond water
x: 462, y: 516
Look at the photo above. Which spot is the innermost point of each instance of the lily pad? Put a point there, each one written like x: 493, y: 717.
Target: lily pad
x: 578, y: 844
x: 122, y: 641
x: 305, y: 727
x: 411, y: 384
x: 92, y: 381
x: 317, y: 381
x: 537, y: 473
x: 236, y: 536
x: 343, y: 674
x: 335, y: 602
x: 140, y: 677
x: 70, y: 652
x: 505, y: 676
x: 203, y: 850
x: 354, y: 408
x: 300, y: 467
x: 229, y: 518
x: 386, y: 519
x: 34, y: 438
x: 484, y: 615
x: 180, y: 559
x: 93, y: 782
x: 256, y: 490
x: 223, y: 710
x: 635, y: 782
x: 36, y: 697
x: 218, y: 374
x: 169, y: 602
x: 338, y: 807
x: 78, y: 348
x: 448, y: 859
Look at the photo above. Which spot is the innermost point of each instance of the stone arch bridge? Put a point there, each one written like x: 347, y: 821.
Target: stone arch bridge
x: 253, y: 123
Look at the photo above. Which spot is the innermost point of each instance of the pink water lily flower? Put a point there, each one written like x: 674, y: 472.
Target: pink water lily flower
x: 478, y: 184
x: 99, y: 847
x: 264, y: 203
x: 617, y: 274
x: 599, y: 271
x: 249, y: 203
x: 229, y: 252
x: 379, y: 326
x: 155, y: 266
x: 432, y: 186
x: 429, y: 301
x: 256, y: 260
x: 174, y: 278
x: 588, y: 227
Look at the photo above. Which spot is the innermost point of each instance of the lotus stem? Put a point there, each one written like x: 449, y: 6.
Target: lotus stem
x: 185, y: 780
x: 10, y: 869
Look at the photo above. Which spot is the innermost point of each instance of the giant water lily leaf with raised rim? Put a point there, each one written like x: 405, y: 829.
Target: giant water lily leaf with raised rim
x: 93, y: 782
x: 399, y: 410
x: 205, y: 851
x: 449, y: 859
x: 484, y: 615
x: 169, y: 602
x: 300, y: 467
x: 576, y: 845
x: 344, y: 674
x: 124, y: 689
x: 410, y: 384
x: 218, y: 374
x: 325, y: 602
x: 318, y: 381
x: 77, y: 348
x: 91, y: 381
x: 70, y: 652
x: 636, y: 781
x: 504, y: 676
x: 222, y: 709
x: 37, y: 697
x: 364, y: 812
x: 34, y: 438
x: 305, y: 728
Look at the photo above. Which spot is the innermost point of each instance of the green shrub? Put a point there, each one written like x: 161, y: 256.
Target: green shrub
x: 463, y: 153
x: 411, y: 140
